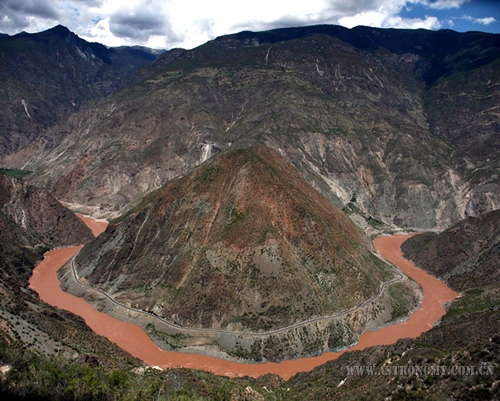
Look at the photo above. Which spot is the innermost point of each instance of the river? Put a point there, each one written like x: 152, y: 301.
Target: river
x: 134, y: 339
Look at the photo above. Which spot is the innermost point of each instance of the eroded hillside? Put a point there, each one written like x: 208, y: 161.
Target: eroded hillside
x: 359, y: 112
x: 242, y: 243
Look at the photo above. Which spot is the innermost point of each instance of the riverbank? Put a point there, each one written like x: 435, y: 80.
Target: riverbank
x: 136, y: 341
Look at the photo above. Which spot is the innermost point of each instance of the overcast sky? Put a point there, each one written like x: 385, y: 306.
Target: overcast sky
x: 189, y: 23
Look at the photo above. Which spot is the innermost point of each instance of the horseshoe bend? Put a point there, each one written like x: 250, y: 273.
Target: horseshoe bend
x: 245, y: 196
x: 243, y: 244
x: 133, y: 339
x: 255, y: 322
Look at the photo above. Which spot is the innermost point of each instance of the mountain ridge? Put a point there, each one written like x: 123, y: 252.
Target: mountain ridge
x: 353, y: 121
x: 31, y: 223
x: 47, y: 74
x: 242, y: 244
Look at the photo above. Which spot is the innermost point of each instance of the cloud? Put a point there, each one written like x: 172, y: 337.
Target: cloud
x: 137, y: 24
x: 28, y: 8
x: 189, y: 23
x: 450, y: 22
x: 485, y: 21
x: 482, y: 21
x: 383, y: 20
x: 444, y: 4
x: 21, y: 14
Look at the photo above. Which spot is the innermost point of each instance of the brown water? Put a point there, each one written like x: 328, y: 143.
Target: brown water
x: 97, y: 227
x: 134, y: 340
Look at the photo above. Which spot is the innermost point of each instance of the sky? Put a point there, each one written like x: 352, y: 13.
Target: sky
x: 166, y: 24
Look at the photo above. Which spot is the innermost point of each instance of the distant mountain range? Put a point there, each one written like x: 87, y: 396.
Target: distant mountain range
x: 403, y: 121
x: 246, y: 177
x: 48, y: 74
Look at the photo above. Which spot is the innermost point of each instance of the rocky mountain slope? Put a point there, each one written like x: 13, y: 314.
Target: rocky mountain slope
x: 467, y: 337
x: 39, y: 215
x: 364, y: 112
x: 242, y: 243
x: 48, y: 74
x: 466, y: 255
x: 31, y: 222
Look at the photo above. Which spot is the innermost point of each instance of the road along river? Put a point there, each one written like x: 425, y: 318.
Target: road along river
x: 134, y: 339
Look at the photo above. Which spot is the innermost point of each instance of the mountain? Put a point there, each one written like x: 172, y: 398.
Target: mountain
x: 242, y: 243
x: 31, y: 222
x: 466, y: 338
x: 376, y: 115
x: 395, y: 125
x: 48, y: 74
x: 37, y: 213
x: 466, y: 255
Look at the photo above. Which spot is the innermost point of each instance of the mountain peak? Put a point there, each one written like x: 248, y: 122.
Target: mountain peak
x: 243, y: 227
x: 59, y: 30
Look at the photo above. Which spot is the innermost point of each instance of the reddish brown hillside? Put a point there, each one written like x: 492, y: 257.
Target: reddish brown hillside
x: 243, y: 242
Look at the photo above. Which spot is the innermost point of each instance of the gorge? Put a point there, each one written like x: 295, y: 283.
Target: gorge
x: 135, y: 340
x: 248, y: 201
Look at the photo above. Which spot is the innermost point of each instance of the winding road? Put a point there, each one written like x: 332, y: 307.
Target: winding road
x: 136, y: 341
x: 186, y: 330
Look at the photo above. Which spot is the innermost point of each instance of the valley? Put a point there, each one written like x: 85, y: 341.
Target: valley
x: 134, y: 340
x: 249, y: 218
x: 364, y: 112
x: 250, y: 247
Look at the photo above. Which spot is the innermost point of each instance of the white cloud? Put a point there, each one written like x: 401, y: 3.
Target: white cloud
x: 485, y: 21
x: 189, y: 23
x: 482, y: 21
x: 444, y: 4
x: 385, y: 20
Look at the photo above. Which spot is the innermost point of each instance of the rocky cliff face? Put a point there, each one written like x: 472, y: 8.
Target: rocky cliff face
x: 368, y: 113
x: 466, y: 255
x: 48, y: 74
x: 38, y: 217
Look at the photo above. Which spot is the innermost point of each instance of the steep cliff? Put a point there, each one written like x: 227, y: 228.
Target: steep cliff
x: 466, y: 256
x: 38, y: 216
x: 48, y: 74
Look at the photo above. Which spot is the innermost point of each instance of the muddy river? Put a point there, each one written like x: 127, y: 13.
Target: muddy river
x: 134, y: 339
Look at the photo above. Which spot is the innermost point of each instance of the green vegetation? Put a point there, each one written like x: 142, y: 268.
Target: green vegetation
x: 16, y: 173
x: 473, y: 301
x: 171, y: 340
x: 239, y: 352
x: 233, y: 226
x: 374, y: 222
x: 55, y: 378
x: 351, y: 208
x: 402, y: 302
x: 266, y: 231
x: 210, y: 173
x: 41, y: 249
x: 171, y: 293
